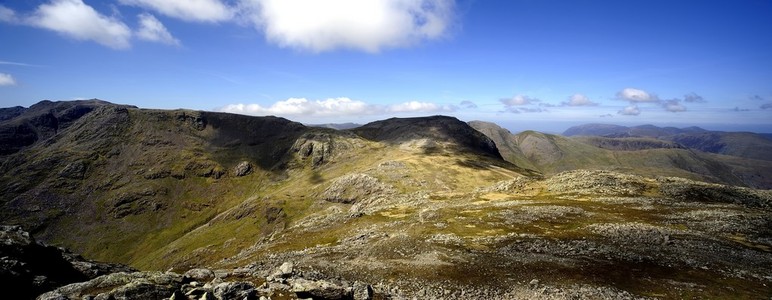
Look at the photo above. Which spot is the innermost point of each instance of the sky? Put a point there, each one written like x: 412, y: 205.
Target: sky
x: 524, y: 64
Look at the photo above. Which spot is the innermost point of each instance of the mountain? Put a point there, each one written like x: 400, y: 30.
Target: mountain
x: 216, y: 205
x: 742, y: 144
x: 338, y: 126
x: 624, y: 131
x: 646, y: 156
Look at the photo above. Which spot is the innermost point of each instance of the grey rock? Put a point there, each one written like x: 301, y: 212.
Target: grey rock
x: 321, y: 289
x: 362, y: 291
x: 284, y: 271
x: 242, y: 169
x: 234, y: 290
x: 200, y: 275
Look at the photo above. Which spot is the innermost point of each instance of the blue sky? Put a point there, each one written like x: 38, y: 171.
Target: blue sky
x: 525, y: 64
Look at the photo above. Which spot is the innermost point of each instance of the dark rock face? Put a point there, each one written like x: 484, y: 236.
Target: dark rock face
x: 32, y: 268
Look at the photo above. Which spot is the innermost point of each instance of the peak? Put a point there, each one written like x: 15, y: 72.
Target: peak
x: 441, y: 129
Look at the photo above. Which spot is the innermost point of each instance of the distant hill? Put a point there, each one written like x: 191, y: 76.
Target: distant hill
x: 337, y: 126
x: 648, y: 156
x: 742, y: 144
x: 609, y: 130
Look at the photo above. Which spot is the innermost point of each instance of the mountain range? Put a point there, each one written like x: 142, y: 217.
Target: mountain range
x: 417, y: 207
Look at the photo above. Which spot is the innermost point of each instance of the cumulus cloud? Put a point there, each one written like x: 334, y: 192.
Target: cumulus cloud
x: 673, y: 105
x: 332, y: 107
x: 631, y: 110
x: 636, y: 95
x: 518, y: 101
x: 77, y: 20
x: 693, y: 97
x: 7, y: 15
x: 304, y: 107
x: 7, y: 79
x: 766, y: 106
x: 578, y: 100
x: 188, y: 10
x: 468, y: 104
x: 351, y: 24
x: 150, y: 29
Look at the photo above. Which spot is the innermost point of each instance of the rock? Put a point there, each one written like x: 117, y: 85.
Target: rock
x: 33, y: 268
x: 321, y: 289
x: 353, y: 188
x: 121, y: 285
x: 242, y: 169
x: 200, y: 275
x: 534, y: 282
x: 234, y: 290
x: 75, y: 170
x: 362, y: 291
x: 284, y: 271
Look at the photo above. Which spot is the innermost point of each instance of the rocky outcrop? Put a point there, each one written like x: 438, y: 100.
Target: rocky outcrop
x: 353, y: 188
x: 197, y: 284
x: 32, y: 268
x: 242, y: 169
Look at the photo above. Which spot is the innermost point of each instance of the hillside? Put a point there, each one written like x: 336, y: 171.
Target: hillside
x: 743, y: 144
x: 646, y: 156
x: 400, y: 208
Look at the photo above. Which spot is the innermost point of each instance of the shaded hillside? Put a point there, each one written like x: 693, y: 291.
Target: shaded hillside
x: 431, y: 132
x: 552, y: 154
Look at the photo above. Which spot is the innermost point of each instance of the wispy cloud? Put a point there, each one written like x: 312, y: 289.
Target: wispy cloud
x: 150, y: 29
x: 333, y: 107
x: 693, y: 97
x: 673, y: 105
x: 7, y: 80
x: 12, y: 63
x: 188, y: 10
x: 756, y: 98
x: 468, y: 104
x: 766, y: 106
x: 631, y: 110
x: 578, y: 100
x: 7, y: 15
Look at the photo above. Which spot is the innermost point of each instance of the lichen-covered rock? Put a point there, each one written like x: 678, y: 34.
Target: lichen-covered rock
x: 119, y: 286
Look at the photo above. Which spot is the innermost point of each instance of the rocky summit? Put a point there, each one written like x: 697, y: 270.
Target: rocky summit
x: 180, y: 204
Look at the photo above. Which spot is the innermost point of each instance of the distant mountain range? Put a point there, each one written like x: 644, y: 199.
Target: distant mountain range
x: 737, y: 158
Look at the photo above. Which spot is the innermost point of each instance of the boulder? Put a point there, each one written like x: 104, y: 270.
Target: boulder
x: 242, y: 169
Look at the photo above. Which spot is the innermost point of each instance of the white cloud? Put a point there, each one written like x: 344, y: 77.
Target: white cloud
x: 579, y: 100
x: 636, y: 95
x: 518, y: 100
x: 304, y: 107
x: 332, y: 107
x: 631, y: 110
x: 415, y: 106
x: 353, y: 24
x: 6, y: 80
x: 674, y: 106
x: 150, y: 29
x: 7, y: 15
x: 77, y: 20
x: 188, y: 10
